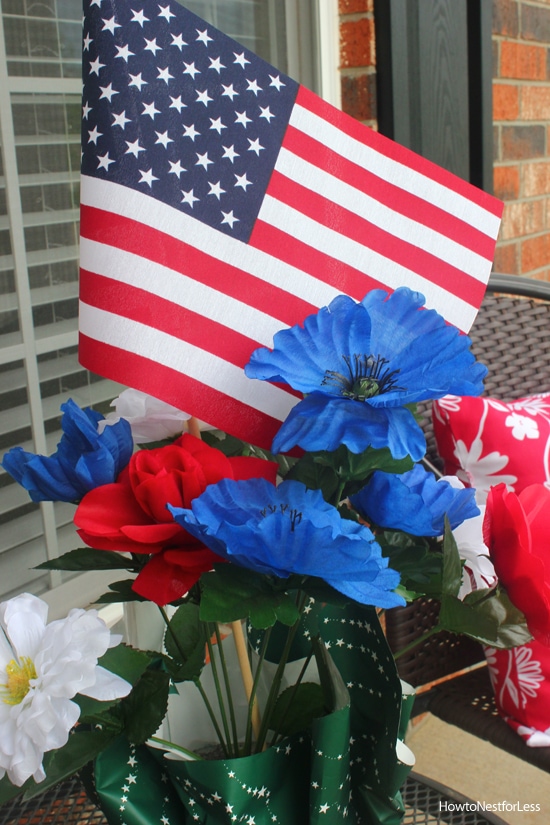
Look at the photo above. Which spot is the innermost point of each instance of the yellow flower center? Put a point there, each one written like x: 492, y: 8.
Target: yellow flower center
x: 19, y: 676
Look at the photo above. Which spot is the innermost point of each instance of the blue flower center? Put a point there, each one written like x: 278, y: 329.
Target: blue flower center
x: 294, y: 515
x: 367, y: 376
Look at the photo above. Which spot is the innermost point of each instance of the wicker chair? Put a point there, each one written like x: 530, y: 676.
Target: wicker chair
x: 511, y: 336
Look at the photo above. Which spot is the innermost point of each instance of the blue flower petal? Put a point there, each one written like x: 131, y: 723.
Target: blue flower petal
x: 301, y: 356
x: 321, y: 422
x: 383, y: 353
x: 84, y: 459
x: 39, y: 475
x: 381, y: 592
x: 290, y: 529
x: 415, y: 502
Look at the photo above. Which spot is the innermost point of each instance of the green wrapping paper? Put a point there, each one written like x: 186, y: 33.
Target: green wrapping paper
x: 133, y: 788
x: 344, y: 768
x: 295, y: 782
x: 379, y: 707
x: 298, y: 781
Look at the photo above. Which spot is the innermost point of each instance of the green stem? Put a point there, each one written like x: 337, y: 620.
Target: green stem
x: 197, y: 682
x: 228, y: 689
x: 290, y: 697
x: 417, y: 641
x: 212, y: 715
x: 165, y: 744
x: 217, y: 685
x: 276, y: 685
x: 175, y: 639
x: 256, y: 682
x: 339, y: 493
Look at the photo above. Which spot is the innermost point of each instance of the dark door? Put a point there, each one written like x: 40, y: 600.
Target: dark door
x: 434, y: 79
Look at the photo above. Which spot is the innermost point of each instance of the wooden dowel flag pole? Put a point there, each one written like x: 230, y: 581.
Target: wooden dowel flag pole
x: 246, y: 673
x: 193, y: 427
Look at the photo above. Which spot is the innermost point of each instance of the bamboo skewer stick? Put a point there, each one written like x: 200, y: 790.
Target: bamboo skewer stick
x: 193, y: 427
x: 246, y: 672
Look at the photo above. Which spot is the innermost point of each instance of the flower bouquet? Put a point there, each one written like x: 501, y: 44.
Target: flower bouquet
x: 270, y: 572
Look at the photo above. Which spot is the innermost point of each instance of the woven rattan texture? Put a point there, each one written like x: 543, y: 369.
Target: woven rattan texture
x: 511, y: 336
x: 440, y: 655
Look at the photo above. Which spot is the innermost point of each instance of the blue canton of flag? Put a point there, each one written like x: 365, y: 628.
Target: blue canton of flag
x: 173, y: 108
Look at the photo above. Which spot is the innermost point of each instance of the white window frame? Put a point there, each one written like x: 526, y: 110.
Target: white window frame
x: 314, y: 56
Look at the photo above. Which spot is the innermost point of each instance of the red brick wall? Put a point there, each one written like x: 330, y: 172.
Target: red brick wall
x: 521, y: 116
x: 358, y: 59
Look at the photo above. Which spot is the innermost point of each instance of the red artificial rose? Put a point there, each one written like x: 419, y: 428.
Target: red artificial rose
x: 517, y: 532
x: 131, y: 515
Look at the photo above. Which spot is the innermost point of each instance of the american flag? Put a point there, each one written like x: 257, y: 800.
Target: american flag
x: 222, y: 201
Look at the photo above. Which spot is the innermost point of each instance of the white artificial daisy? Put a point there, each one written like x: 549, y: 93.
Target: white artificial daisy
x: 42, y: 667
x: 150, y: 419
x: 479, y: 572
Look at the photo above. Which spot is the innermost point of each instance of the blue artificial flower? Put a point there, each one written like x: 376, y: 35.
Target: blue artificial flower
x: 415, y: 502
x: 290, y: 529
x: 359, y: 364
x: 84, y: 459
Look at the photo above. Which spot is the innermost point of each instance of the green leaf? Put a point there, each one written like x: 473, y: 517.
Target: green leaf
x: 124, y: 661
x: 93, y: 711
x: 315, y: 476
x: 231, y: 446
x: 419, y: 564
x: 487, y: 616
x: 145, y: 708
x: 9, y: 791
x: 357, y: 466
x: 297, y: 707
x: 155, y: 445
x: 86, y: 558
x: 185, y: 640
x: 452, y: 564
x: 335, y: 693
x: 511, y: 626
x: 230, y: 593
x: 120, y: 591
x: 322, y: 592
x: 127, y: 662
x: 459, y: 617
x: 82, y: 747
x: 330, y: 471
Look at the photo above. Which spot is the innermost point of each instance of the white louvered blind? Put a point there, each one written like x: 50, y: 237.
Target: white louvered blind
x: 40, y: 155
x: 40, y: 117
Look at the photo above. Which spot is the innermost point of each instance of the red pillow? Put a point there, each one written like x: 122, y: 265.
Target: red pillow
x: 484, y: 441
x: 521, y: 683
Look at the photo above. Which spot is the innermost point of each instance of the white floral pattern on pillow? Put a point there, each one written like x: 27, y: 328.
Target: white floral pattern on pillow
x: 485, y: 441
x: 521, y: 426
x: 521, y: 684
